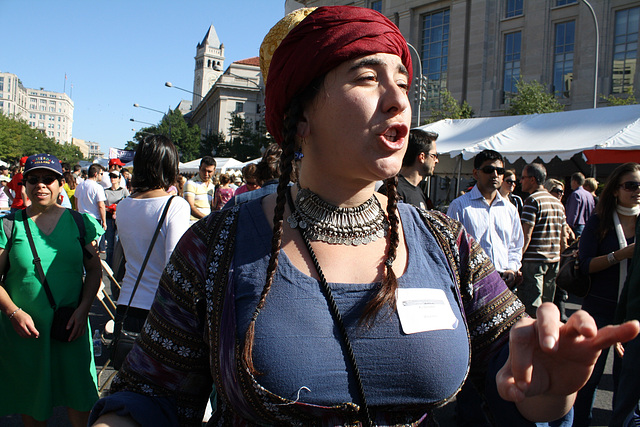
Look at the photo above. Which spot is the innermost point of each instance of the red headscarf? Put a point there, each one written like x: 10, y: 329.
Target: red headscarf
x: 327, y: 37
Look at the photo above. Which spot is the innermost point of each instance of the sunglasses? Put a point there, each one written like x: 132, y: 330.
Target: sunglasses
x: 46, y: 180
x: 433, y: 155
x: 557, y: 191
x: 491, y: 169
x: 630, y: 185
x: 510, y: 181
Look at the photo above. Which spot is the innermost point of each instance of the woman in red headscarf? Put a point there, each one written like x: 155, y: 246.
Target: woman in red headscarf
x: 327, y: 303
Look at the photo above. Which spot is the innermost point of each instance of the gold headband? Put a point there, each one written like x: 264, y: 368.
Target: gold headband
x: 275, y: 36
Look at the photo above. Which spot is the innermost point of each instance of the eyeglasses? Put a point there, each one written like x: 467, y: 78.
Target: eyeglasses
x: 46, y: 180
x: 433, y: 155
x: 113, y: 176
x: 630, y: 185
x: 558, y: 191
x: 510, y: 181
x: 491, y: 169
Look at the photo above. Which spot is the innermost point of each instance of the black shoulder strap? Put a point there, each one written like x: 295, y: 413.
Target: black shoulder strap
x: 77, y: 217
x: 148, y: 254
x: 36, y: 260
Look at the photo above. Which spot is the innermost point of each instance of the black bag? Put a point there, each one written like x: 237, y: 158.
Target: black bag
x: 124, y: 340
x: 59, y: 329
x: 570, y: 277
x: 122, y: 344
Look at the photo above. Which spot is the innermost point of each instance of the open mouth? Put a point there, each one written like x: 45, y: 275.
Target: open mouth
x: 395, y: 133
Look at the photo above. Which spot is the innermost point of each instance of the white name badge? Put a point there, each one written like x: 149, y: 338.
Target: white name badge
x: 422, y: 310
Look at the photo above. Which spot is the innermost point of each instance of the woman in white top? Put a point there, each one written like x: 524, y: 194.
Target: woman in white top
x: 155, y: 167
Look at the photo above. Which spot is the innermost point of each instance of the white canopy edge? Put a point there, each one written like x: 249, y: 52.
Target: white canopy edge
x: 543, y: 136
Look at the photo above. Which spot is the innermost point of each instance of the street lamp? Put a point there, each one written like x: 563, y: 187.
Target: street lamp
x: 150, y: 109
x: 419, y: 80
x: 595, y: 72
x: 138, y: 121
x: 169, y: 84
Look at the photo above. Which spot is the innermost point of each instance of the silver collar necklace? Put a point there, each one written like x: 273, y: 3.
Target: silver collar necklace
x: 322, y: 221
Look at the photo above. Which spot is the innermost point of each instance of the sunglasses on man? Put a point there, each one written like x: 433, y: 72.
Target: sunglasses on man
x: 630, y: 185
x: 46, y: 180
x: 559, y: 191
x: 491, y: 169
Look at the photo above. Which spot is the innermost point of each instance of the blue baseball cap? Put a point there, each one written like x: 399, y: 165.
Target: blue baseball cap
x: 42, y: 161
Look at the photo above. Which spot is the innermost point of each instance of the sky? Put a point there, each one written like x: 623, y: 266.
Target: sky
x: 119, y: 52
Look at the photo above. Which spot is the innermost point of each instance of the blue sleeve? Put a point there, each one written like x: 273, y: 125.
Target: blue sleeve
x: 573, y: 205
x: 145, y: 410
x: 588, y: 248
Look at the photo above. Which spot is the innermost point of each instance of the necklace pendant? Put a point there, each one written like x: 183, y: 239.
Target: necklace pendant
x: 293, y: 222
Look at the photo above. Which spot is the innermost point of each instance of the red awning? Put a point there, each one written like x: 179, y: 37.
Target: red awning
x: 598, y: 157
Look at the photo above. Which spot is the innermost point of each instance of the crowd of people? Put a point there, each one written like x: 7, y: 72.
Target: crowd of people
x: 325, y: 290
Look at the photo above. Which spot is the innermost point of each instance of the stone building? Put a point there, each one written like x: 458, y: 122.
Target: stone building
x: 44, y: 110
x: 478, y: 49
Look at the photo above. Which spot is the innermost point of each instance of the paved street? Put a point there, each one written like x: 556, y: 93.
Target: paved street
x: 98, y: 318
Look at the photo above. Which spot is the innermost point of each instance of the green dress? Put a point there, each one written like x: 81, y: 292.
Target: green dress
x: 37, y: 375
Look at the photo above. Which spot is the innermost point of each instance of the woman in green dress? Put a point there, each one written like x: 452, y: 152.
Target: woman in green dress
x: 38, y: 372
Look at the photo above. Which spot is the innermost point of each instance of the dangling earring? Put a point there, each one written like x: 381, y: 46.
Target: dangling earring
x: 297, y: 155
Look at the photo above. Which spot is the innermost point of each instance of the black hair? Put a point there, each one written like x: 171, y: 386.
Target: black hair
x: 94, y: 170
x: 608, y: 203
x: 420, y: 141
x: 485, y: 155
x: 269, y: 167
x: 208, y: 161
x: 155, y: 164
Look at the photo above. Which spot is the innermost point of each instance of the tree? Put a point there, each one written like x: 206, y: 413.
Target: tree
x: 628, y: 99
x: 214, y: 144
x: 450, y: 109
x: 18, y: 139
x: 531, y: 98
x: 186, y: 137
x: 246, y: 143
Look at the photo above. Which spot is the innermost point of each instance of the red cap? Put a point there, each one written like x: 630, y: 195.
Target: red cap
x: 23, y: 160
x: 115, y: 162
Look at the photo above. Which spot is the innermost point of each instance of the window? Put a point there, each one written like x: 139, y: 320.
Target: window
x: 565, y: 2
x: 563, y: 58
x: 512, y: 44
x: 377, y: 5
x: 239, y: 107
x: 625, y: 49
x: 435, y: 54
x: 514, y: 8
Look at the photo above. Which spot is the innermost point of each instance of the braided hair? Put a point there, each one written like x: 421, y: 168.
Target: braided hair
x: 386, y: 292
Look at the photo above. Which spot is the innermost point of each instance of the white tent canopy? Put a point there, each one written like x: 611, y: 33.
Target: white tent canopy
x: 222, y: 165
x: 545, y: 136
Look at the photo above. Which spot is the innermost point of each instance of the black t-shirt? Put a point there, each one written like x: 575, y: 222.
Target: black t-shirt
x: 409, y: 193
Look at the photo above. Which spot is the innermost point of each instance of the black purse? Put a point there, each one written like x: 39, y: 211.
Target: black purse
x: 570, y: 277
x: 124, y: 339
x: 61, y: 315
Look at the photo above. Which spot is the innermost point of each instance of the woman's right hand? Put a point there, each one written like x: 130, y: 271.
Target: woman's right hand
x: 23, y: 325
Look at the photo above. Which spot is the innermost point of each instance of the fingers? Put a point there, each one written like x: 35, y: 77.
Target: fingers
x: 522, y: 340
x: 548, y: 326
x: 610, y: 335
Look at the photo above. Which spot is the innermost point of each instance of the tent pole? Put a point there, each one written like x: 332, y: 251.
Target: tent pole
x: 459, y: 175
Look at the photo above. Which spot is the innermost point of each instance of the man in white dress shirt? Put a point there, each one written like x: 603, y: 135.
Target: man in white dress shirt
x: 490, y: 218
